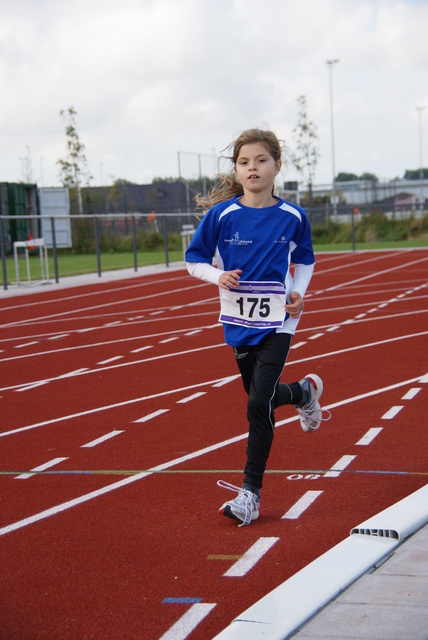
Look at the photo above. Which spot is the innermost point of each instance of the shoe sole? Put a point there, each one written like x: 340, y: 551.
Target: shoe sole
x: 318, y: 385
x: 227, y: 511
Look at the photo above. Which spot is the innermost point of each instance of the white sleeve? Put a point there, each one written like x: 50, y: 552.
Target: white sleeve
x: 302, y: 277
x: 204, y: 271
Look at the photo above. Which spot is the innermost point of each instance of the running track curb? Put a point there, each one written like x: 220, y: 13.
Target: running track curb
x: 285, y: 609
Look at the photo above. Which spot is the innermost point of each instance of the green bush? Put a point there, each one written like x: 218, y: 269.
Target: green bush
x: 373, y: 227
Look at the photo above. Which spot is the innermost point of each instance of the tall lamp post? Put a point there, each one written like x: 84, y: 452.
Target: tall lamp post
x: 421, y: 162
x: 330, y: 64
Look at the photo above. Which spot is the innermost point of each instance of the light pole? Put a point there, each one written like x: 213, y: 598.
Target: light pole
x: 330, y: 64
x: 421, y: 162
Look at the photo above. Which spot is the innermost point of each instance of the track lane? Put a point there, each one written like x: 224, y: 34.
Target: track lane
x: 155, y: 551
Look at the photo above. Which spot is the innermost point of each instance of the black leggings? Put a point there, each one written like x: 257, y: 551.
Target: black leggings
x: 261, y: 367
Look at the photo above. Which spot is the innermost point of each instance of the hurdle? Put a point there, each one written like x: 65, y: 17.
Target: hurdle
x: 43, y: 253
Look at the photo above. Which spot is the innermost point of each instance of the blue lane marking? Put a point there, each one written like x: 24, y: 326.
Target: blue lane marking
x: 181, y: 600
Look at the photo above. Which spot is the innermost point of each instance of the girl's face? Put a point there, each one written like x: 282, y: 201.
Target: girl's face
x: 255, y: 168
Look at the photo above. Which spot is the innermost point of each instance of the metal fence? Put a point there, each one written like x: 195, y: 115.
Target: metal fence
x: 120, y: 232
x: 97, y: 233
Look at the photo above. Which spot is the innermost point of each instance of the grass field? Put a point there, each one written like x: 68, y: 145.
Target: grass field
x: 71, y: 265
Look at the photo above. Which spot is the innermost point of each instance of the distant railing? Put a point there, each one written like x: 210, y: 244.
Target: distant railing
x: 19, y: 228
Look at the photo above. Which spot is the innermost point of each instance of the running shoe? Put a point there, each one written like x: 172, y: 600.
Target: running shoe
x: 310, y: 412
x: 244, y: 508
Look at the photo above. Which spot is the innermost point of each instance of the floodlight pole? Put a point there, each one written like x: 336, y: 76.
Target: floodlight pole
x: 330, y: 64
x: 421, y: 162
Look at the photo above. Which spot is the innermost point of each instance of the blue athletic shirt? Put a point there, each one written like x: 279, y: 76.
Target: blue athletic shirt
x: 261, y: 242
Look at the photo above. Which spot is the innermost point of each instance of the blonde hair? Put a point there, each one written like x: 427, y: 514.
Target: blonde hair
x: 227, y: 184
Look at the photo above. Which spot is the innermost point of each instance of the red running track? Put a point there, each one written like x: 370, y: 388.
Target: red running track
x: 124, y: 403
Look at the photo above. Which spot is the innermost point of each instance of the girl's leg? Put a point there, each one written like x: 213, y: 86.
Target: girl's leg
x: 261, y: 367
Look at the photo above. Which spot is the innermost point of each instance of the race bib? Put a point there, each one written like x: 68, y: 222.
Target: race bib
x: 254, y: 304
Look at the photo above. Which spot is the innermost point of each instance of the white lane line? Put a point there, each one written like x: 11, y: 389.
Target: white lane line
x: 339, y: 466
x: 193, y: 333
x: 333, y: 328
x: 192, y: 397
x: 321, y: 356
x: 226, y: 381
x: 369, y: 436
x: 115, y: 405
x: 301, y: 505
x: 250, y: 558
x: 298, y: 345
x: 41, y: 467
x: 389, y: 415
x: 188, y: 622
x: 33, y: 385
x: 110, y: 360
x: 75, y: 372
x: 30, y: 386
x: 117, y: 485
x: 59, y: 337
x: 213, y: 383
x: 168, y: 340
x: 149, y: 416
x: 411, y: 393
x: 134, y: 362
x: 27, y: 344
x: 150, y: 346
x: 315, y: 336
x: 144, y: 474
x: 376, y: 274
x: 107, y: 436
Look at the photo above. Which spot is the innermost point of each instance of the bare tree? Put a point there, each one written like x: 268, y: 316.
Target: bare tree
x: 305, y: 158
x: 73, y: 167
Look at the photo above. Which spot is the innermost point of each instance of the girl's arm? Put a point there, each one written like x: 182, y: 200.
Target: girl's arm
x: 208, y: 273
x: 302, y: 278
x: 204, y: 271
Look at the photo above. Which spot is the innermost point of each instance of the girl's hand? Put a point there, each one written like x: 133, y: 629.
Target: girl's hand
x: 295, y: 307
x: 229, y: 279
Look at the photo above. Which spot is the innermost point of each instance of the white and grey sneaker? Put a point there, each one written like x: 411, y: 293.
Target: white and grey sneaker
x: 244, y: 508
x: 310, y: 412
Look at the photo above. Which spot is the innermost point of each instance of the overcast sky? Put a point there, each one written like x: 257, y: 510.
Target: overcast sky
x: 152, y: 78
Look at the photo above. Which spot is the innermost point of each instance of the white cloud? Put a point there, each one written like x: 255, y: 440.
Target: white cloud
x: 152, y: 78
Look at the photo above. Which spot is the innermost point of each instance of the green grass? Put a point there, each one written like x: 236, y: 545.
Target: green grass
x: 367, y: 246
x: 72, y: 265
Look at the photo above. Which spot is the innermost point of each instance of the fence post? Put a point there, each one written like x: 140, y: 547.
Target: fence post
x: 165, y: 239
x: 3, y: 253
x: 134, y: 243
x: 97, y: 245
x: 353, y: 214
x: 55, y: 257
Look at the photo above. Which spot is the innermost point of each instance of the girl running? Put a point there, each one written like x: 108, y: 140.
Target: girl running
x: 255, y: 236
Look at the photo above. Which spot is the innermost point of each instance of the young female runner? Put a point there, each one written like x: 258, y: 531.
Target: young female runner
x: 255, y: 237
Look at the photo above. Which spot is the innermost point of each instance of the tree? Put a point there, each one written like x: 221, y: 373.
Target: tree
x: 344, y: 176
x: 415, y: 174
x: 306, y: 135
x: 73, y: 167
x: 369, y: 177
